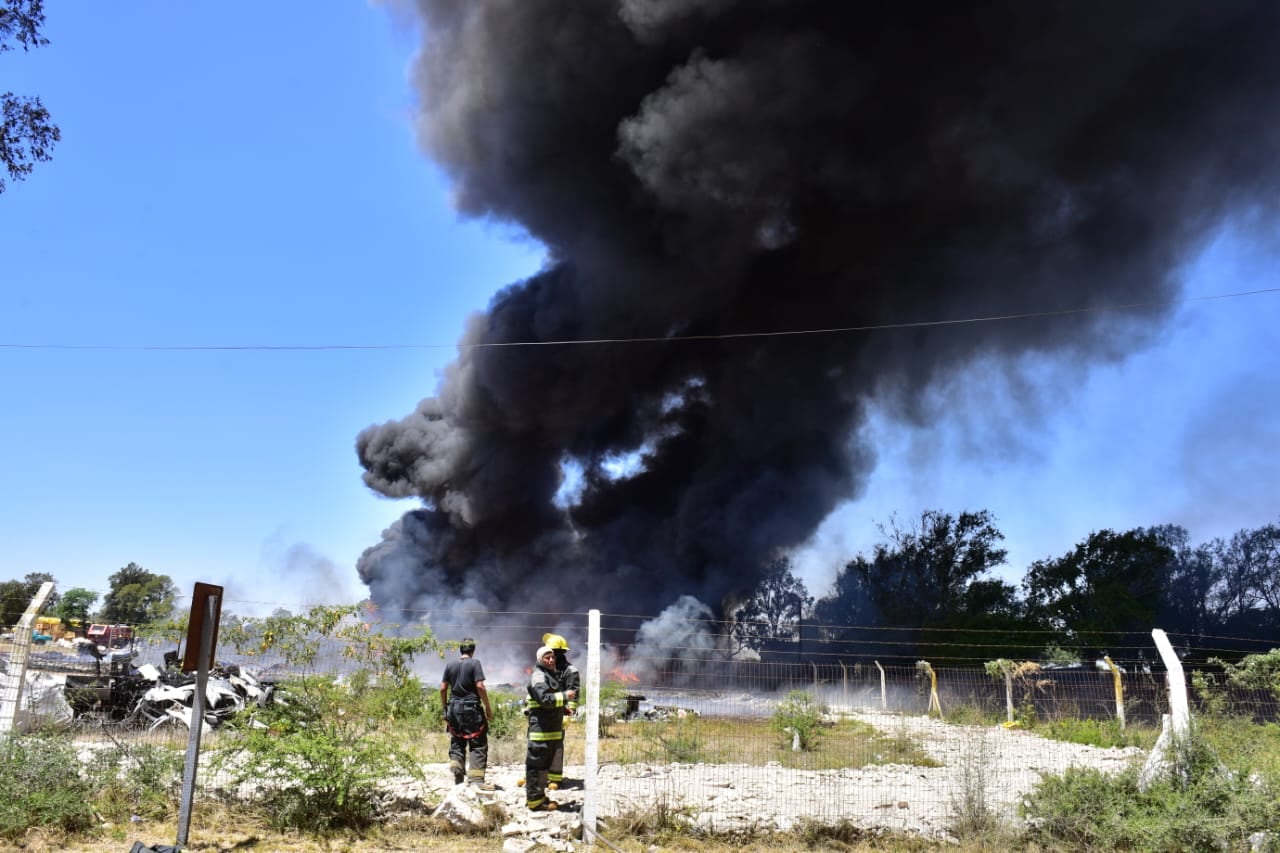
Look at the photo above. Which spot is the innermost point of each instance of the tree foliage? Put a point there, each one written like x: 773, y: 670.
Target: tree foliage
x: 16, y: 595
x: 775, y: 608
x: 1110, y: 582
x: 324, y: 740
x: 932, y: 572
x: 138, y: 597
x: 75, y: 604
x: 27, y: 133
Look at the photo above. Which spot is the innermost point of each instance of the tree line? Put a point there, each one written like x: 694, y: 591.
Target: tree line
x: 933, y: 583
x: 135, y: 596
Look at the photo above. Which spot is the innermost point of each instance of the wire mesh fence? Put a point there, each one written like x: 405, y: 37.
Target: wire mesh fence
x: 730, y: 735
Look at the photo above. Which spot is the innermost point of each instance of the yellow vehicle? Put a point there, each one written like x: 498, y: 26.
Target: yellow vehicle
x: 47, y: 628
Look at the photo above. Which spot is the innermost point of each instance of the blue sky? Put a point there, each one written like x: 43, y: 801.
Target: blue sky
x: 236, y: 176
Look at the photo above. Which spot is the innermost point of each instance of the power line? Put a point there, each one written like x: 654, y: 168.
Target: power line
x: 725, y: 336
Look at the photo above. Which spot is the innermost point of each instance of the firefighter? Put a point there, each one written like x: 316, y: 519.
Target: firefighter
x: 570, y: 679
x: 465, y: 703
x: 546, y: 703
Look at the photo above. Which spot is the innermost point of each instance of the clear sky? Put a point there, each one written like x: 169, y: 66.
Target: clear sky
x: 247, y: 176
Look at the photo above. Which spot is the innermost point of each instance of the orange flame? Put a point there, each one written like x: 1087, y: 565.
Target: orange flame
x: 620, y: 675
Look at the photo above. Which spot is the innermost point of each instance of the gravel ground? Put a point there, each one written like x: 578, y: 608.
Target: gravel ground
x: 1002, y: 764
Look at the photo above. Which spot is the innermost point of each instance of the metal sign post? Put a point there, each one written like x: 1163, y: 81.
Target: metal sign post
x: 206, y: 607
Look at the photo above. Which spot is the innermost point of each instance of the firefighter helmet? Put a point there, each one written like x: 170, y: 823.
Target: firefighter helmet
x: 555, y: 642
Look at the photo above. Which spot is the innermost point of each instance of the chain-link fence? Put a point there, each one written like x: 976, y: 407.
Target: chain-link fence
x: 691, y: 719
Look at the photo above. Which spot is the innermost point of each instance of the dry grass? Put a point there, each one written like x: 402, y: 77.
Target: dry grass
x: 846, y: 743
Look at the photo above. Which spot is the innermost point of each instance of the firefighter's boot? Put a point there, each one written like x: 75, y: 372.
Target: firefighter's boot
x: 458, y: 775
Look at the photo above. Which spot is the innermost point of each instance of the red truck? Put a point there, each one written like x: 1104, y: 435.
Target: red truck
x: 111, y: 636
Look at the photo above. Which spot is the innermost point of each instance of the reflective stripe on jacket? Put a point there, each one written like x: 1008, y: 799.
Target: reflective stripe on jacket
x: 545, y: 706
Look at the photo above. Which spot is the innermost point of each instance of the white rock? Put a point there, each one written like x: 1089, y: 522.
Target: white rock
x: 461, y: 813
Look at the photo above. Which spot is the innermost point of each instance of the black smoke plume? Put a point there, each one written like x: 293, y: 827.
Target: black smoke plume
x: 707, y: 168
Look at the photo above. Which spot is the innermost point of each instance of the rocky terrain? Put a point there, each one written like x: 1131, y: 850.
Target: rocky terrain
x: 989, y: 766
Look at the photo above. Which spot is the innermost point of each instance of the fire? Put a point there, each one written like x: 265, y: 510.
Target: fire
x: 622, y: 676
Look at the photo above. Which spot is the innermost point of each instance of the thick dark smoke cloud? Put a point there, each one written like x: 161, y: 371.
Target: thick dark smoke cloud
x: 711, y: 167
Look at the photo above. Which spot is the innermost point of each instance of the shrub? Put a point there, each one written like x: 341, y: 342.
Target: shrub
x: 321, y: 750
x: 1197, y: 805
x: 508, y: 714
x: 798, y: 718
x: 320, y: 755
x: 40, y: 786
x: 137, y: 779
x: 1101, y: 733
x: 678, y: 739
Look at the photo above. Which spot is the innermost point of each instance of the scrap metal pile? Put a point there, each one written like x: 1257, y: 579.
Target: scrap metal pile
x: 106, y: 689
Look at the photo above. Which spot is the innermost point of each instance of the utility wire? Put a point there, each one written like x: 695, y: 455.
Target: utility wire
x: 916, y: 324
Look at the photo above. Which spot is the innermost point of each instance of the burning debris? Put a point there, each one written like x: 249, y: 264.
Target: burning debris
x: 703, y: 170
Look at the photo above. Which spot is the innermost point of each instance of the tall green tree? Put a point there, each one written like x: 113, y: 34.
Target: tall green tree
x: 138, y: 597
x: 933, y: 571
x: 27, y: 133
x: 775, y: 608
x: 75, y: 603
x: 1249, y: 594
x: 1111, y: 582
x: 1192, y: 589
x: 16, y: 595
x: 920, y: 584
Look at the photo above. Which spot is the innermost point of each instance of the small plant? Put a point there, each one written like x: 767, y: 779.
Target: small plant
x: 662, y: 823
x: 799, y: 720
x: 678, y: 740
x: 40, y: 787
x: 1101, y: 733
x: 971, y: 813
x: 136, y: 780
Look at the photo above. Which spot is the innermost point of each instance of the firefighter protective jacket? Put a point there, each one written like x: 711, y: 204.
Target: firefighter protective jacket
x: 545, y: 705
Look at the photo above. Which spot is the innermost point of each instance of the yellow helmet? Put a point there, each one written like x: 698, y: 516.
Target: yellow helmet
x: 555, y: 641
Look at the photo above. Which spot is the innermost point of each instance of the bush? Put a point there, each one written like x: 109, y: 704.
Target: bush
x: 508, y: 719
x: 40, y: 787
x: 798, y: 717
x: 320, y: 755
x: 679, y: 739
x: 136, y: 779
x: 1199, y: 805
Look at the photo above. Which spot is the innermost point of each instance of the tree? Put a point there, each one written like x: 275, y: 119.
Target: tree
x: 1250, y: 588
x: 1111, y: 582
x: 932, y: 572
x: 775, y: 608
x: 138, y: 597
x: 15, y: 596
x: 921, y: 583
x: 1193, y: 584
x: 75, y: 604
x: 27, y: 135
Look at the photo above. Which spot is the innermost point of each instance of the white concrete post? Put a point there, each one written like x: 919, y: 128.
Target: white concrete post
x: 1177, y: 723
x: 591, y: 750
x: 11, y: 694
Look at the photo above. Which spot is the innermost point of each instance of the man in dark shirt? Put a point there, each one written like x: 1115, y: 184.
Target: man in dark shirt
x: 465, y: 704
